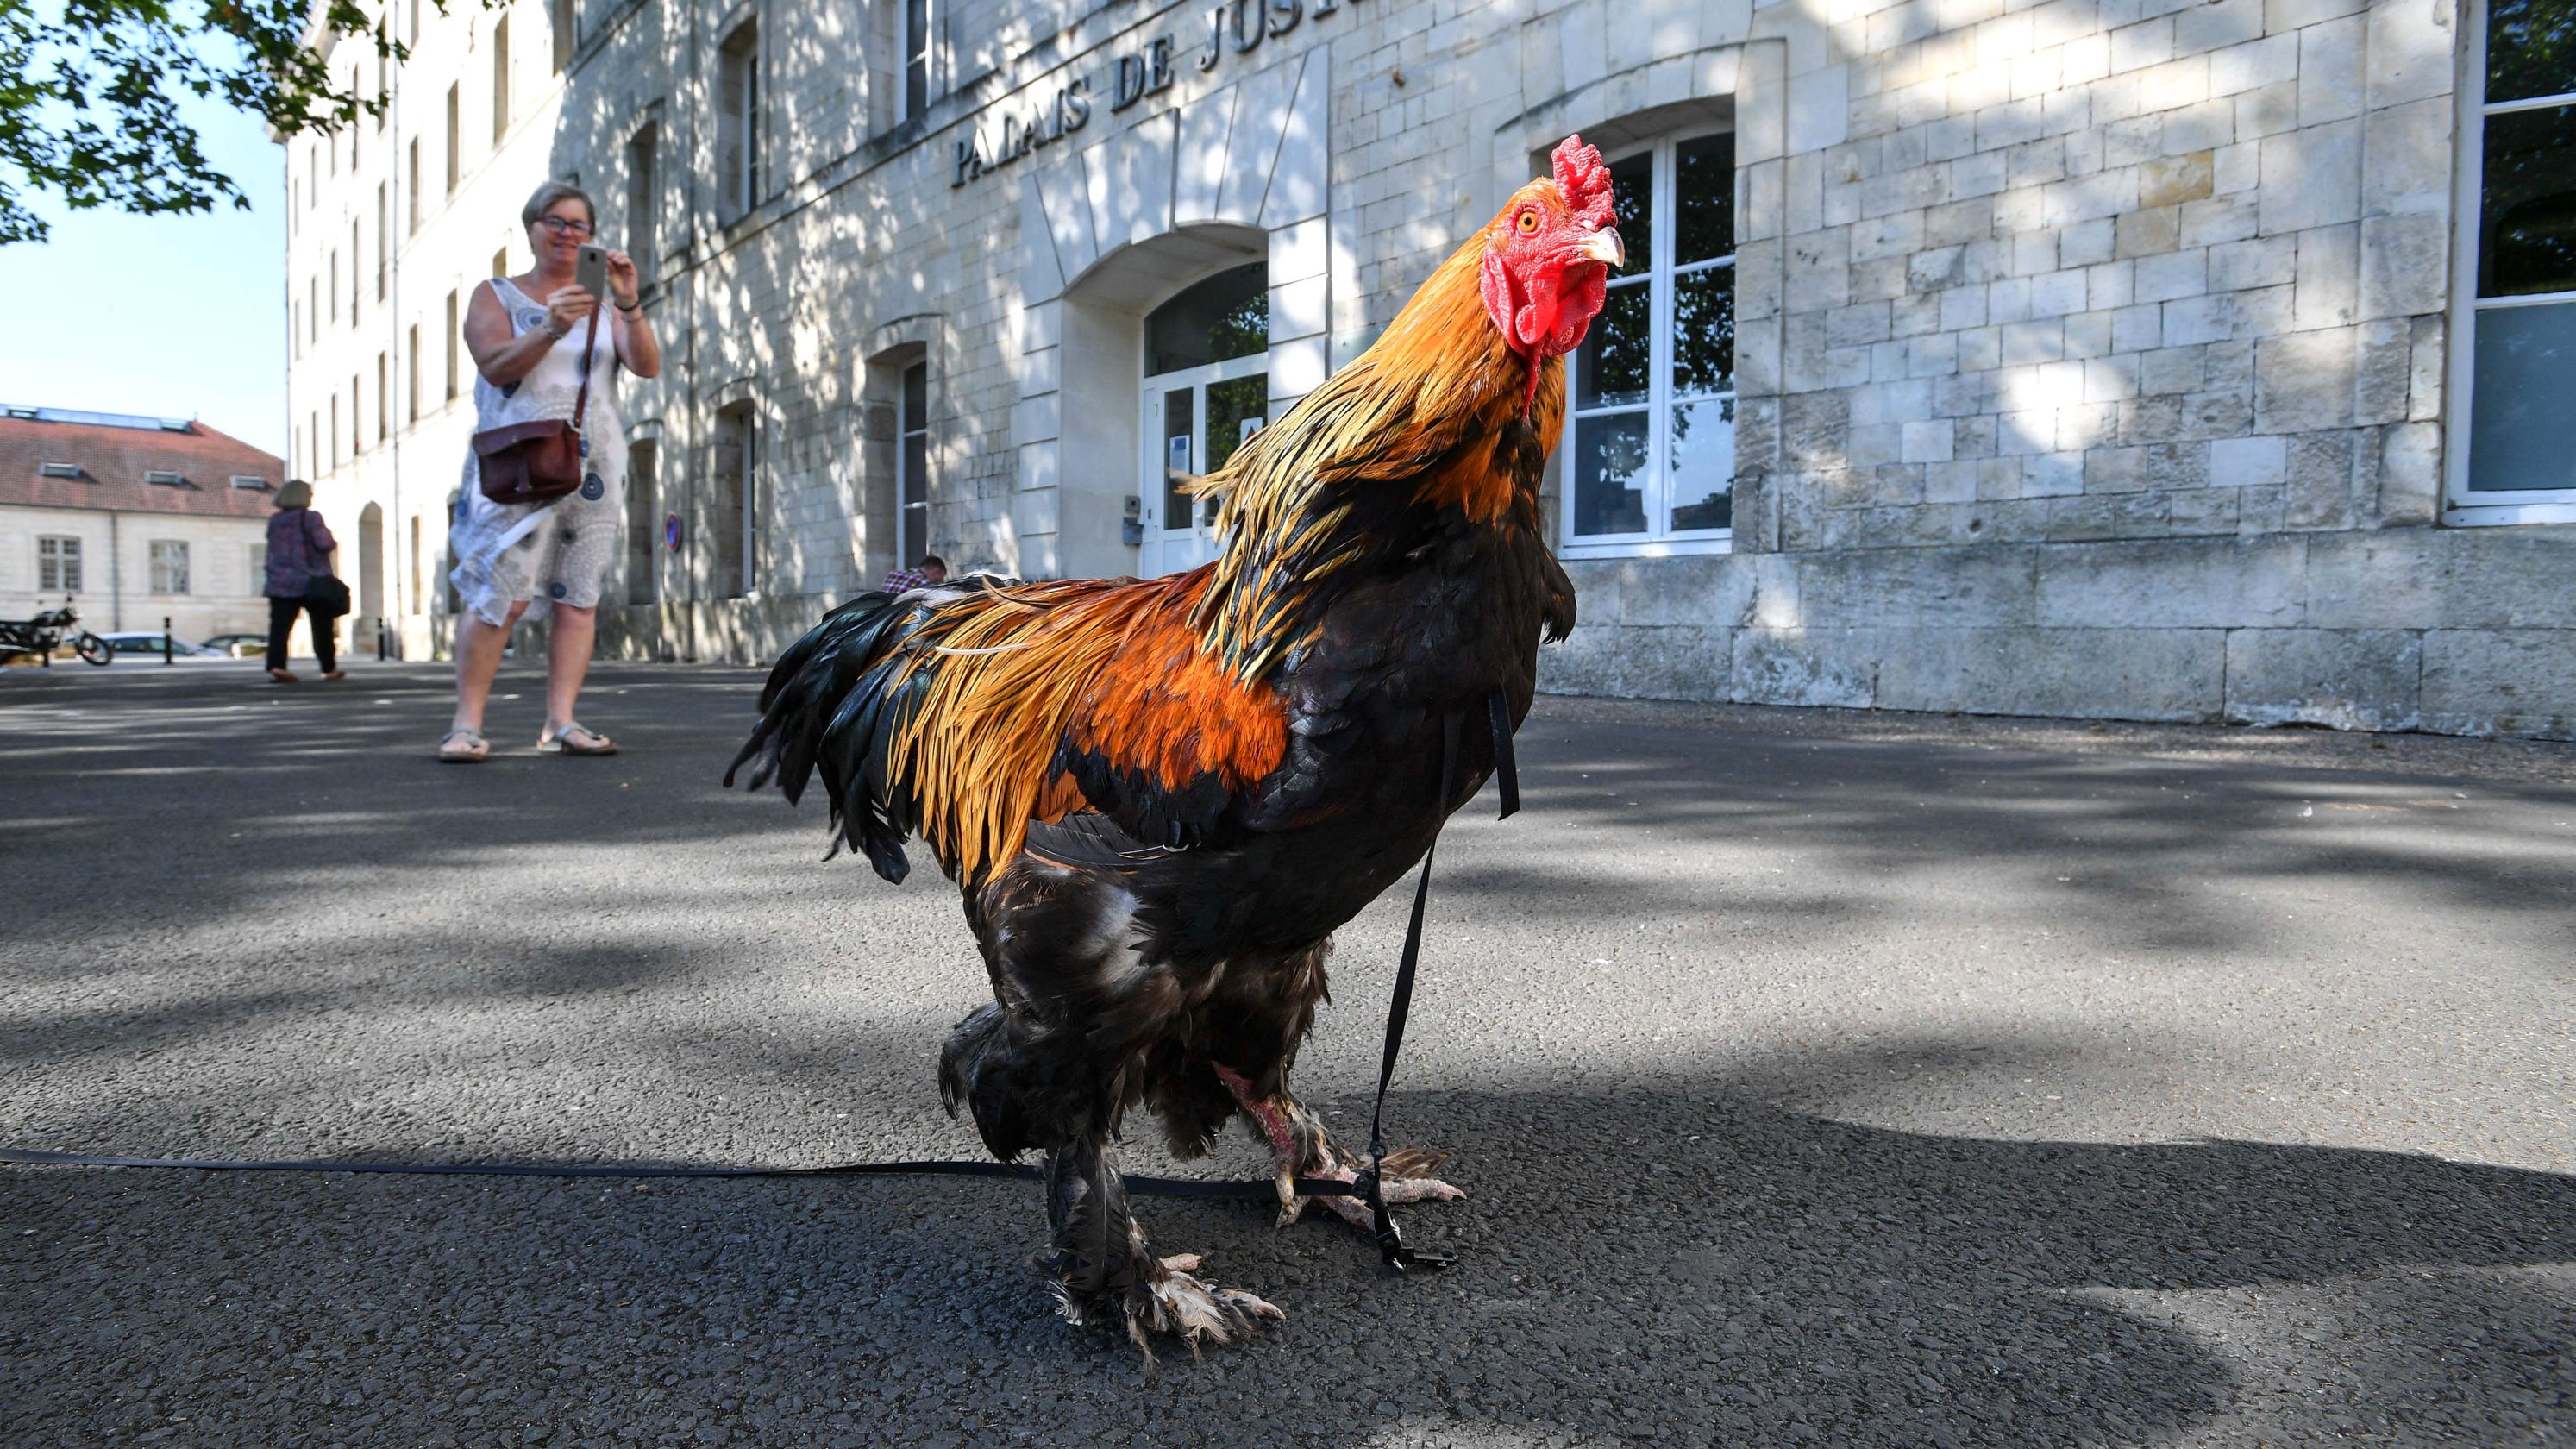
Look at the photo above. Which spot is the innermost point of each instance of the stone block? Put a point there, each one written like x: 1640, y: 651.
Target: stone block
x: 2451, y: 579
x: 1679, y: 661
x: 1694, y: 590
x: 2142, y: 674
x: 1811, y: 667
x: 2404, y: 265
x: 2303, y: 381
x: 1587, y: 662
x: 2248, y: 462
x: 2348, y: 679
x: 2501, y: 682
x: 1297, y: 309
x: 1597, y: 588
x: 2172, y: 584
x: 2172, y: 180
x: 2311, y: 177
x: 1868, y: 588
x: 1300, y: 251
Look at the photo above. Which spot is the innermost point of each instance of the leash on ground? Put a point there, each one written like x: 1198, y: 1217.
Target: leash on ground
x: 1146, y: 1186
x: 1390, y: 1239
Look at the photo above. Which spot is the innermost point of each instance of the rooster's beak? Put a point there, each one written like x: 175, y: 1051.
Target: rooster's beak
x: 1603, y: 247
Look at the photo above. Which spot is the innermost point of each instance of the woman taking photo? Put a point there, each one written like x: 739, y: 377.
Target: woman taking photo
x: 544, y: 560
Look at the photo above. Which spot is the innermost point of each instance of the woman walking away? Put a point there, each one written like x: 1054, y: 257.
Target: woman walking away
x: 299, y: 551
x: 544, y: 560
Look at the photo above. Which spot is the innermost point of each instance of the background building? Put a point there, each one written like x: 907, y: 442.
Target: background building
x: 2100, y: 357
x: 134, y: 520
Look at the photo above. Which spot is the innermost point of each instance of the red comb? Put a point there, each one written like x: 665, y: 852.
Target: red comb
x: 1585, y: 181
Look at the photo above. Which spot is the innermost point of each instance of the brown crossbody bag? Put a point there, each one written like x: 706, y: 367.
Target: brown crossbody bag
x: 539, y: 462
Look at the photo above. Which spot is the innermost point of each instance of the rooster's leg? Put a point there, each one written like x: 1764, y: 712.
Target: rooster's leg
x: 1303, y: 1150
x: 1103, y: 1269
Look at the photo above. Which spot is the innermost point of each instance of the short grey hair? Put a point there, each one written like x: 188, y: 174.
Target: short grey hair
x: 544, y: 198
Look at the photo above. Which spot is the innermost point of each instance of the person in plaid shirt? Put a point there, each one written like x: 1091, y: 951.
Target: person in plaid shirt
x: 931, y: 570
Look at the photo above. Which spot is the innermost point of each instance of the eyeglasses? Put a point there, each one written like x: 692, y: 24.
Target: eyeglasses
x: 562, y: 227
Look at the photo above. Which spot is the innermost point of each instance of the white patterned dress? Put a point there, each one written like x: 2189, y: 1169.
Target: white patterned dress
x: 545, y: 553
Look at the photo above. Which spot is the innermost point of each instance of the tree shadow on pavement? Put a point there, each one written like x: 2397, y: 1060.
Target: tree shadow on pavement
x: 1767, y: 1277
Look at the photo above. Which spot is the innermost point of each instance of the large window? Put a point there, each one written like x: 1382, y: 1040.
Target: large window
x: 915, y: 58
x: 451, y: 346
x: 912, y: 468
x: 500, y: 79
x: 454, y: 169
x: 560, y: 19
x: 642, y: 533
x: 1650, y: 447
x: 58, y: 565
x: 2515, y: 365
x: 643, y: 197
x: 738, y: 121
x: 734, y: 510
x: 169, y: 566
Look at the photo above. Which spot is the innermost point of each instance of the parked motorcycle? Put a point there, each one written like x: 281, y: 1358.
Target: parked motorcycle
x: 43, y: 634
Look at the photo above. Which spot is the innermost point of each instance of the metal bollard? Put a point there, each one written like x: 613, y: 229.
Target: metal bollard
x: 167, y: 656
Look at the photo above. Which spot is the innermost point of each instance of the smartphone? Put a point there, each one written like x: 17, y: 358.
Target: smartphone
x: 590, y: 273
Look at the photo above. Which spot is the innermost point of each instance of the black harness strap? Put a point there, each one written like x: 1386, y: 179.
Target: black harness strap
x: 1390, y: 1238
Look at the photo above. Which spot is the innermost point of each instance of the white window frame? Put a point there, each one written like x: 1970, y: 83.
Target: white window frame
x: 166, y: 555
x: 58, y: 564
x: 2462, y: 506
x: 1658, y: 540
x: 911, y: 535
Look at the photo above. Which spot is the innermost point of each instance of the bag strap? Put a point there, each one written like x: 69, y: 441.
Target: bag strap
x: 589, y: 339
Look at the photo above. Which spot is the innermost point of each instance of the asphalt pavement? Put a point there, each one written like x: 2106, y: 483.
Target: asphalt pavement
x: 1816, y: 1078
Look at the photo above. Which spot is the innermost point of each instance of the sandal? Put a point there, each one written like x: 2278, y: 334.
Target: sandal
x: 462, y: 747
x: 558, y: 743
x: 281, y: 676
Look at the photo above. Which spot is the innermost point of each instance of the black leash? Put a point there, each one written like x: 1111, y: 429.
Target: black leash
x: 1390, y: 1239
x: 1264, y: 1189
x: 1507, y: 783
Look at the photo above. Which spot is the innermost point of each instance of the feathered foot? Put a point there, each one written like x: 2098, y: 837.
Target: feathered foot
x: 1303, y: 1150
x: 1169, y: 1298
x: 1101, y: 1269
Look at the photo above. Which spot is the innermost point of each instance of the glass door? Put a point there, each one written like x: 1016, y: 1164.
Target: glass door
x: 1206, y: 389
x: 1194, y: 422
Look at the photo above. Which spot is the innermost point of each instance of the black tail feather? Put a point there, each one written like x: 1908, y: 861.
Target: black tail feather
x: 833, y: 705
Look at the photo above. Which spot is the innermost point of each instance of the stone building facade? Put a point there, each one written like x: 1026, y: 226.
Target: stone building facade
x: 2125, y: 358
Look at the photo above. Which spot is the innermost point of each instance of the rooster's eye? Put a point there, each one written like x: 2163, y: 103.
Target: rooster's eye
x: 1528, y: 223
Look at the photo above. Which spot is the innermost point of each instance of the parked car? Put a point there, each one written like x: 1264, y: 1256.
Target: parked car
x: 136, y: 644
x: 239, y: 646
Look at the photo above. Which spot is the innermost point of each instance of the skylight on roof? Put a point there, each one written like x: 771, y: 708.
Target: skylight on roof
x: 164, y: 477
x: 250, y: 481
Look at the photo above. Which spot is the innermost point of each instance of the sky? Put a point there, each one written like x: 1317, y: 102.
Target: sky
x: 172, y: 316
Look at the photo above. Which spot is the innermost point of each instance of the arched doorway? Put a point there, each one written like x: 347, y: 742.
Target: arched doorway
x: 1206, y: 388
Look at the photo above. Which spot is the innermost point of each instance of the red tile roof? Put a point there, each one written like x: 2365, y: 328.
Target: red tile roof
x: 113, y: 457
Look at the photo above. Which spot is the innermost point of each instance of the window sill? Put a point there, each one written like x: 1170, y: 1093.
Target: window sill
x: 2499, y: 515
x: 1648, y: 548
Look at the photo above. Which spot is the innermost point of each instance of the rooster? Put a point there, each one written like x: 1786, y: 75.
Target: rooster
x: 1161, y: 797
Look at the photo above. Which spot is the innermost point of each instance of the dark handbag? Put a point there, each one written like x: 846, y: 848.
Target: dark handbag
x: 326, y: 596
x: 537, y: 462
